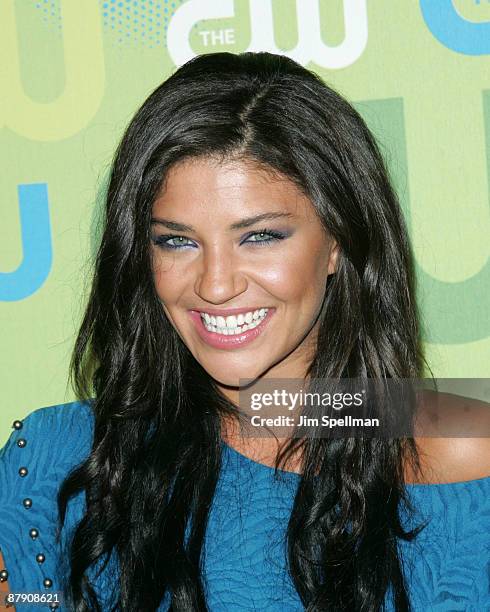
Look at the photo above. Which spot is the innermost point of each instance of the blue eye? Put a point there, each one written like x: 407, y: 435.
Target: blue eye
x: 172, y: 242
x: 265, y: 237
x: 164, y: 242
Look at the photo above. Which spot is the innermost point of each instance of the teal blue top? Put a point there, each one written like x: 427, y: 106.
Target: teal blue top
x: 447, y: 567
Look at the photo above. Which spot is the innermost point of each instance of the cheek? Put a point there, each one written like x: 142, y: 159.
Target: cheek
x: 168, y: 279
x: 295, y: 278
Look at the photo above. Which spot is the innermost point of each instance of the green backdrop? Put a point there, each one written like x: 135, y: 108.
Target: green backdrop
x: 74, y: 72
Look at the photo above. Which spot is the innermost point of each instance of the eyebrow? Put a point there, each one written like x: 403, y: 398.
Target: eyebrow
x: 246, y: 222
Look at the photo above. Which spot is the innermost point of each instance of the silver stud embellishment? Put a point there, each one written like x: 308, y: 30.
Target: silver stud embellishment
x: 27, y: 502
x: 33, y: 533
x: 40, y: 558
x: 48, y: 583
x: 21, y: 442
x: 17, y: 424
x: 3, y: 575
x: 23, y: 471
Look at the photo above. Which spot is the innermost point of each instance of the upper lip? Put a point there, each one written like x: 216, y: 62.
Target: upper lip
x: 223, y: 312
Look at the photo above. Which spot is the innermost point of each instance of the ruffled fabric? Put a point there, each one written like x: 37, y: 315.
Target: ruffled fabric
x: 245, y: 569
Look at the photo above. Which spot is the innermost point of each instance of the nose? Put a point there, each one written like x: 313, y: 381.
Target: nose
x: 219, y: 279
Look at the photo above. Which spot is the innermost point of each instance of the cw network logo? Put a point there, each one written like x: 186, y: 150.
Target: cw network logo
x: 453, y: 30
x: 440, y: 16
x: 36, y: 245
x: 310, y: 46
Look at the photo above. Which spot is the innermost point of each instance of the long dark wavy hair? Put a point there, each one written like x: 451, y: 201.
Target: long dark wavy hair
x: 157, y: 411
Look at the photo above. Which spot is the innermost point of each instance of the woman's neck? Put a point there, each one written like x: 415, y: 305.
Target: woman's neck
x: 262, y: 450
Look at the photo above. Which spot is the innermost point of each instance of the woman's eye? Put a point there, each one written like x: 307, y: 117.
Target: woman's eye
x: 171, y: 242
x: 261, y: 238
x: 264, y: 237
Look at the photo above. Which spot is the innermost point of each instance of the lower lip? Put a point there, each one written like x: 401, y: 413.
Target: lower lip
x: 220, y: 341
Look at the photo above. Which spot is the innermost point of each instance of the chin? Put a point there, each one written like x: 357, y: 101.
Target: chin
x: 232, y: 378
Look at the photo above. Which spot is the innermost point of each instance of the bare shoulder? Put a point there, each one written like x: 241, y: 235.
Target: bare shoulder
x: 452, y: 434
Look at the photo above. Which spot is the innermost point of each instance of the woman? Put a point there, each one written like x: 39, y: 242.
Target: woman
x: 251, y: 232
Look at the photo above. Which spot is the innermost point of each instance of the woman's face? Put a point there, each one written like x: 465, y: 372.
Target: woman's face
x: 245, y: 303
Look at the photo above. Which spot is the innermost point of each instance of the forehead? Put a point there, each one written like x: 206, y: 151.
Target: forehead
x: 205, y: 183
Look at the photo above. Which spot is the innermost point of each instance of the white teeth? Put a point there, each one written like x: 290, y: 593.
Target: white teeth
x: 232, y: 325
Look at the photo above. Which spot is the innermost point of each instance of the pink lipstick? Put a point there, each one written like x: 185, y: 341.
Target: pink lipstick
x: 221, y: 341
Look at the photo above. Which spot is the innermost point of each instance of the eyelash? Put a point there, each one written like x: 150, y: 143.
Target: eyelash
x: 161, y: 241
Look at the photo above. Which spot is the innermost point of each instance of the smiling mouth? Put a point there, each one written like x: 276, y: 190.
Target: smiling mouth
x: 233, y: 325
x: 232, y: 331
